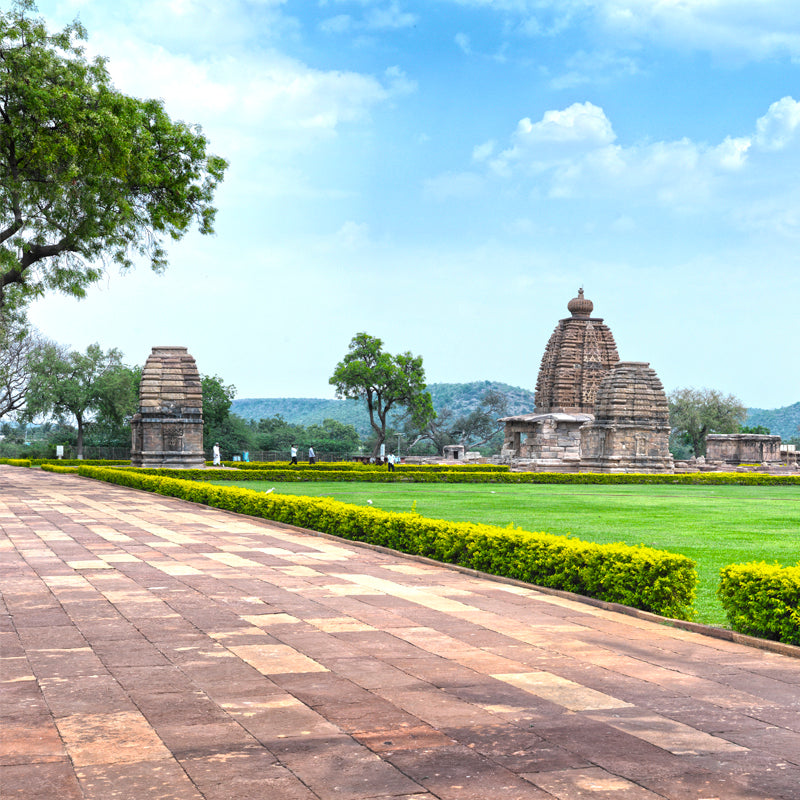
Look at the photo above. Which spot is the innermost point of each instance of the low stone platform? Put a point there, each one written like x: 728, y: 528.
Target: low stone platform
x: 156, y: 650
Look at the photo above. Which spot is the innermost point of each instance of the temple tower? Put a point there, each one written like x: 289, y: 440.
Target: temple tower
x: 580, y: 352
x: 167, y: 431
x: 630, y: 431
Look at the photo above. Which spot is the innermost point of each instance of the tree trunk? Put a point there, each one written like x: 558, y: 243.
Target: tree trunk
x: 79, y: 445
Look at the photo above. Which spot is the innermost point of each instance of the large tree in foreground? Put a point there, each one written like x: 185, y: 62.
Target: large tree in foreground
x: 694, y: 413
x: 87, y: 174
x: 386, y: 382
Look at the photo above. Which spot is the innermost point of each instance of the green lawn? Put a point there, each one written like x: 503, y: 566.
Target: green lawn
x: 714, y: 525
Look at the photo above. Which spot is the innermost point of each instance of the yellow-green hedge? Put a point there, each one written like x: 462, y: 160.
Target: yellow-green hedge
x: 457, y: 475
x: 357, y: 466
x: 642, y: 577
x: 16, y: 462
x: 762, y: 599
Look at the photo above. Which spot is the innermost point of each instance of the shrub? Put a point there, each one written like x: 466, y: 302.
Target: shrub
x: 16, y: 462
x: 643, y: 577
x: 762, y: 599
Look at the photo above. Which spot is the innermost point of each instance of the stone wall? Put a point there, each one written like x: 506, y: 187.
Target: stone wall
x: 743, y: 448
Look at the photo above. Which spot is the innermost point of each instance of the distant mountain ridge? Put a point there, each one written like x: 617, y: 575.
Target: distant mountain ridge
x: 783, y: 421
x: 461, y: 398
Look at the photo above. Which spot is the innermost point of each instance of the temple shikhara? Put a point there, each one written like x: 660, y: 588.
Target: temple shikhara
x: 167, y: 430
x: 593, y: 412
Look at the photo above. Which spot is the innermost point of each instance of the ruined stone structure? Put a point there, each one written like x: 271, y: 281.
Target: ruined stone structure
x: 630, y: 430
x: 454, y: 452
x: 580, y: 352
x: 743, y: 448
x: 167, y: 430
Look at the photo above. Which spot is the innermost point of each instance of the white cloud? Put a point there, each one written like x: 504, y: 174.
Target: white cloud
x: 559, y: 137
x: 749, y: 29
x: 780, y: 126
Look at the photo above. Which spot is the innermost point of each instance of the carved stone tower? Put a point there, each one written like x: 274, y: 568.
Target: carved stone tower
x: 167, y: 431
x: 579, y: 354
x: 630, y: 431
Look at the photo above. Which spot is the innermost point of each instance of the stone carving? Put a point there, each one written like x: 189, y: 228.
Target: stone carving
x: 167, y: 430
x: 630, y: 430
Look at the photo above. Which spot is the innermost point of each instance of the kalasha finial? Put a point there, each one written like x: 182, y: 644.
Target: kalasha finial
x: 579, y: 306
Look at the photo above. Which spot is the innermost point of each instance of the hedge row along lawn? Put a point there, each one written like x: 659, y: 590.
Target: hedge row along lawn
x: 714, y: 525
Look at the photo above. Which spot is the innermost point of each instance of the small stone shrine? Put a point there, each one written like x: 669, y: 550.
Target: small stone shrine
x: 743, y: 448
x: 167, y: 430
x: 630, y: 430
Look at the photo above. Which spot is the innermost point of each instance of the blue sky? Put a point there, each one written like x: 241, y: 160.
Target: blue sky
x: 446, y: 174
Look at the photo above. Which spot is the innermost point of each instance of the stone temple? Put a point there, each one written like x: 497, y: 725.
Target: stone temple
x: 167, y: 430
x: 593, y: 412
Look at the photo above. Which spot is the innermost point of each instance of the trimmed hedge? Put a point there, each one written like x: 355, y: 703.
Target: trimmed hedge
x: 762, y: 599
x: 643, y: 577
x: 76, y: 462
x: 59, y: 468
x: 16, y: 462
x: 355, y: 466
x: 372, y: 475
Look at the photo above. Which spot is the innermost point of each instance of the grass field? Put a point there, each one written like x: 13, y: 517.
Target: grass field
x: 714, y: 525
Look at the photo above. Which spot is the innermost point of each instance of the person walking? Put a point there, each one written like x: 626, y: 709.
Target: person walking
x: 390, y: 462
x: 293, y: 452
x: 312, y: 456
x: 217, y: 457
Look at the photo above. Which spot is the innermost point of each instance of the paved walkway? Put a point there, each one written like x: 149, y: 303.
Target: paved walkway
x: 153, y: 649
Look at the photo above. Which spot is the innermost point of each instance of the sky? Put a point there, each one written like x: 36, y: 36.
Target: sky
x: 446, y: 174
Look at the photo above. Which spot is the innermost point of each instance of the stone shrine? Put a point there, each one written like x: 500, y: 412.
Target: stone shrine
x: 743, y: 448
x: 630, y: 430
x: 580, y: 352
x: 167, y: 430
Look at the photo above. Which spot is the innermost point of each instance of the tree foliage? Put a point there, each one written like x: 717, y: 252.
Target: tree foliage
x: 217, y: 399
x: 18, y: 343
x: 473, y: 429
x: 694, y: 413
x: 385, y: 382
x: 94, y: 385
x: 87, y: 174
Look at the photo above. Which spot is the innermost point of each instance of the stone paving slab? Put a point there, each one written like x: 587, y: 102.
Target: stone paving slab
x: 155, y: 649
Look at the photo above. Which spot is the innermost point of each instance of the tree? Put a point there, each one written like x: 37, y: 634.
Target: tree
x: 87, y: 174
x: 331, y: 436
x: 385, y: 381
x: 472, y: 430
x: 217, y: 399
x: 694, y: 413
x: 80, y: 385
x: 17, y: 344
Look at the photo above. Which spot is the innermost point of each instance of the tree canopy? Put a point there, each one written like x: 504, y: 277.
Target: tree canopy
x: 694, y: 413
x: 89, y: 385
x: 385, y: 382
x: 88, y: 175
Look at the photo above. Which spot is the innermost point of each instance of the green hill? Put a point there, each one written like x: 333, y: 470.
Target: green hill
x: 460, y: 397
x: 783, y: 421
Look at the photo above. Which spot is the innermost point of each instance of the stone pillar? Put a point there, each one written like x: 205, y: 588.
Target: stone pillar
x: 167, y: 430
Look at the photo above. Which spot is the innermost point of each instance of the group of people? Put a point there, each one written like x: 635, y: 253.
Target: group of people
x: 312, y: 456
x: 391, y: 459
